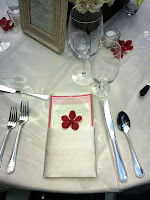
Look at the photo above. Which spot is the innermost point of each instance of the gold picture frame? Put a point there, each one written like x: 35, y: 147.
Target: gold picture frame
x: 51, y: 15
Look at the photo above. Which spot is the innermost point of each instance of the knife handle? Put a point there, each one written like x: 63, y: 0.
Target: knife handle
x: 120, y: 166
x: 144, y: 90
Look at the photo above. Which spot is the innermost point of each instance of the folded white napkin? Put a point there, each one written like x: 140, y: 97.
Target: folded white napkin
x: 70, y: 153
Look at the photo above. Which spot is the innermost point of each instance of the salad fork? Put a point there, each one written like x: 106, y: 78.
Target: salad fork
x: 10, y: 125
x: 23, y: 118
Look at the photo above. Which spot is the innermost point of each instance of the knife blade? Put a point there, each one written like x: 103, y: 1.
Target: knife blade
x: 144, y: 90
x: 11, y: 90
x: 120, y: 165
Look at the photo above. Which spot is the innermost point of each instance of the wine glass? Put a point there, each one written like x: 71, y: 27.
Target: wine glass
x: 85, y: 31
x: 105, y: 67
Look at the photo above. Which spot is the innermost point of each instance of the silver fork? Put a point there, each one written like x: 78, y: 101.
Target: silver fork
x: 23, y: 118
x: 10, y: 125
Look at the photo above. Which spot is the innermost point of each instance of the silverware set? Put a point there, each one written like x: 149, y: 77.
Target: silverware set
x: 12, y: 122
x: 123, y: 123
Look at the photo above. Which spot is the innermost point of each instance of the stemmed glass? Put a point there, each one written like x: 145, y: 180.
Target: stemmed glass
x: 85, y: 31
x: 105, y: 68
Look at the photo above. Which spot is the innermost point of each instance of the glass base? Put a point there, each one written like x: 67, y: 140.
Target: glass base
x: 147, y: 34
x: 130, y: 8
x: 81, y: 78
x: 101, y: 92
x: 4, y: 44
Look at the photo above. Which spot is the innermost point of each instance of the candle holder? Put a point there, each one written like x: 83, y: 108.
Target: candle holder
x: 111, y: 35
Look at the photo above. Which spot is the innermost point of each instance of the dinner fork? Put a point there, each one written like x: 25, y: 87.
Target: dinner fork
x: 10, y: 125
x: 23, y: 118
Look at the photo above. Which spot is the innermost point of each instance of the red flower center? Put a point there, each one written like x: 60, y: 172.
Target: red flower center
x: 72, y: 120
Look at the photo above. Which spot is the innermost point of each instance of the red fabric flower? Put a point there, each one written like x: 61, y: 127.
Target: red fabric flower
x: 124, y: 47
x: 72, y: 120
x: 6, y: 24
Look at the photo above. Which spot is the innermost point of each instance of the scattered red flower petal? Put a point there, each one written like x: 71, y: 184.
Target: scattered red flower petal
x: 6, y: 24
x: 128, y: 43
x: 129, y: 48
x: 124, y: 47
x: 73, y: 121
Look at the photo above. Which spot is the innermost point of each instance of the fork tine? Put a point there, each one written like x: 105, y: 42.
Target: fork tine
x: 10, y: 115
x: 16, y: 114
x: 27, y: 108
x: 21, y: 108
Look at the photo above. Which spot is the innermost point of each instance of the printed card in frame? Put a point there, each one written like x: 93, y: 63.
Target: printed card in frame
x: 45, y: 21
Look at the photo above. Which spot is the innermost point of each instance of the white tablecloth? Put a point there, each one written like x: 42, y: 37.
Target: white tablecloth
x: 31, y: 66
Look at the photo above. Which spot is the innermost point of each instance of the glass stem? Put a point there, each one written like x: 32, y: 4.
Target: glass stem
x: 84, y: 57
x: 101, y: 86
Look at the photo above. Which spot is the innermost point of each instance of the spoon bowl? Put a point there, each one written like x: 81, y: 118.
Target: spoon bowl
x: 124, y: 125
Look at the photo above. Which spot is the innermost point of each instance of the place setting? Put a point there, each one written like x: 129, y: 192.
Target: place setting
x: 71, y: 133
x: 77, y: 128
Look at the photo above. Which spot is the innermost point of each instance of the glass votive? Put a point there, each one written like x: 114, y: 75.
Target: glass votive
x: 13, y: 4
x: 130, y: 7
x: 14, y: 15
x: 111, y: 35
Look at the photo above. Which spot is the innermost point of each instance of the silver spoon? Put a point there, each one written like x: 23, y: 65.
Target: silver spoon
x: 123, y: 123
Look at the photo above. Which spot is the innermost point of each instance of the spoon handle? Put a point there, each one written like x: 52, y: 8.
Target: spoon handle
x: 120, y: 165
x: 138, y: 170
x: 144, y: 90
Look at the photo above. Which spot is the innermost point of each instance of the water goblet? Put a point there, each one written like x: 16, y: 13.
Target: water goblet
x: 85, y: 31
x: 105, y: 68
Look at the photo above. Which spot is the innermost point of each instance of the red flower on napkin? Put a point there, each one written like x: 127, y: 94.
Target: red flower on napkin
x: 124, y: 47
x: 72, y: 120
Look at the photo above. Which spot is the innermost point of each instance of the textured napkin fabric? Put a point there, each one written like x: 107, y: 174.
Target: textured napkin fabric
x: 70, y: 153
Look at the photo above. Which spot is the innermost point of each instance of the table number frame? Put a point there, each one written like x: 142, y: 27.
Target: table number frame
x: 54, y: 41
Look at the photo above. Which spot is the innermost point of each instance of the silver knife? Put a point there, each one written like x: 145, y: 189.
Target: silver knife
x: 10, y: 90
x: 120, y: 165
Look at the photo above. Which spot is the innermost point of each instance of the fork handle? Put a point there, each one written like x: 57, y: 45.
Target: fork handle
x: 3, y: 146
x: 12, y: 162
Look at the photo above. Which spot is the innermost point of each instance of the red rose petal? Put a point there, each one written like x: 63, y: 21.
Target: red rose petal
x: 129, y: 48
x: 11, y: 26
x: 65, y: 118
x: 121, y: 42
x: 75, y: 125
x: 123, y: 49
x: 5, y: 28
x: 7, y: 25
x: 3, y: 19
x: 7, y: 22
x: 65, y: 124
x: 113, y: 50
x: 121, y: 55
x: 1, y: 23
x: 77, y: 119
x: 72, y: 114
x: 128, y: 43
